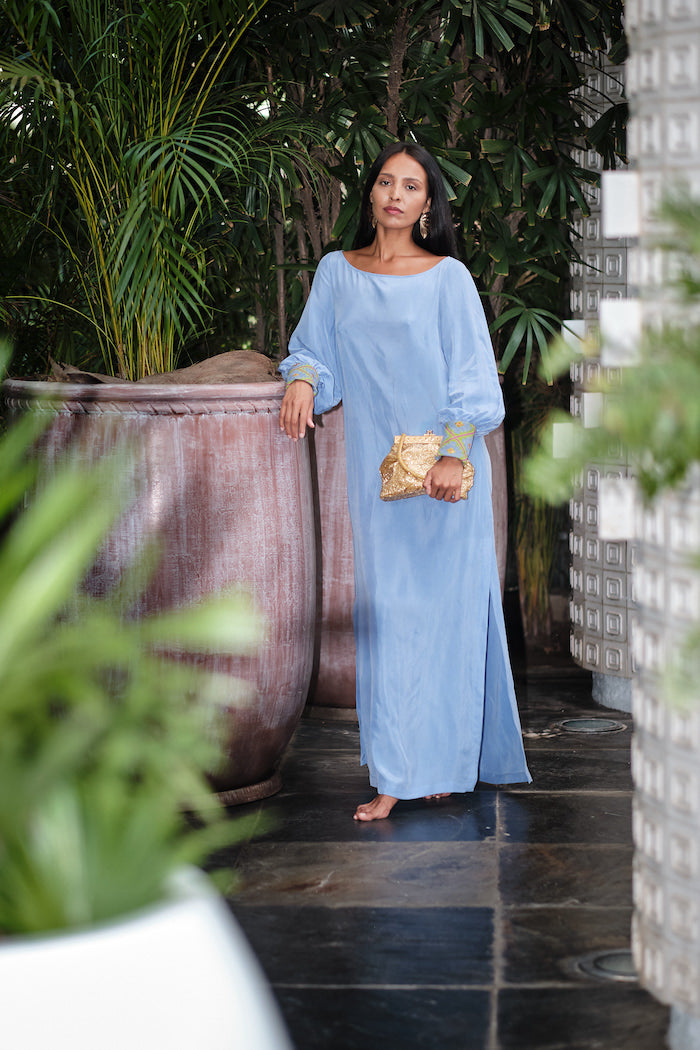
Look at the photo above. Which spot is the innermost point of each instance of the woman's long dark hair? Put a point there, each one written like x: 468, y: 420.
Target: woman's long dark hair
x: 441, y: 239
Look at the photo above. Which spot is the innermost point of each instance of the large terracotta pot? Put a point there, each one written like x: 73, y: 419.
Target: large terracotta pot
x: 496, y: 445
x: 227, y: 497
x: 333, y: 682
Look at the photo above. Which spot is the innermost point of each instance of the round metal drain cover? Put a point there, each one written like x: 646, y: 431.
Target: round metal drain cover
x: 591, y: 725
x: 616, y: 965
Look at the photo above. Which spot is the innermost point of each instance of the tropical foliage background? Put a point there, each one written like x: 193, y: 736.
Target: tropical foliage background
x: 171, y: 173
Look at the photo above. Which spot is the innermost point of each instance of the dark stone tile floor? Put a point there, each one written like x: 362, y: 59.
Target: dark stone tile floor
x: 458, y: 925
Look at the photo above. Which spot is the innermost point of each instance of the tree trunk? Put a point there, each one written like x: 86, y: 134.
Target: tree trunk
x: 399, y: 42
x: 303, y: 258
x: 278, y: 235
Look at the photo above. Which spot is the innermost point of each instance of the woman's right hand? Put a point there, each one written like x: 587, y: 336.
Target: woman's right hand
x: 297, y: 411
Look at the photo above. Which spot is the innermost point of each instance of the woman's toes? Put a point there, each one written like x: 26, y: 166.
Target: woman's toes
x: 378, y: 809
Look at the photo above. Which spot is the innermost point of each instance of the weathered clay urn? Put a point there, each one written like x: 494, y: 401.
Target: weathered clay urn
x: 333, y: 681
x: 227, y: 498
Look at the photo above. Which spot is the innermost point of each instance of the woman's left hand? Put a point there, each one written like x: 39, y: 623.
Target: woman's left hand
x: 444, y: 480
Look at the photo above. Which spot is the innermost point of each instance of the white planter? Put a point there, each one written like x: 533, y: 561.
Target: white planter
x: 179, y: 975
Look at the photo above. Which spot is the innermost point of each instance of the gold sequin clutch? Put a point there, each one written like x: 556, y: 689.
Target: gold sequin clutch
x: 409, y: 459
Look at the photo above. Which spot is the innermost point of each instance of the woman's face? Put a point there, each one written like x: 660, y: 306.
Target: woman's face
x: 400, y: 195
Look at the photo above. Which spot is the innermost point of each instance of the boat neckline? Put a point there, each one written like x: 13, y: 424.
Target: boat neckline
x: 420, y: 273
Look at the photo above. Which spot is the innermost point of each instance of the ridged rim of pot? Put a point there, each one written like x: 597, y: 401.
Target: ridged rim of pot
x: 156, y: 398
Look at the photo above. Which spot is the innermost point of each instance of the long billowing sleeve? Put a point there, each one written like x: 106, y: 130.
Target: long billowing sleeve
x: 312, y: 347
x: 475, y: 402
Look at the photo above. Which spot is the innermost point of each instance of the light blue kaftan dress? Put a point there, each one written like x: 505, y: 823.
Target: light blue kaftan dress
x: 435, y: 696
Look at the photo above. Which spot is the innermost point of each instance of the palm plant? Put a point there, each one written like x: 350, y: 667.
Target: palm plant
x: 492, y: 89
x: 129, y: 141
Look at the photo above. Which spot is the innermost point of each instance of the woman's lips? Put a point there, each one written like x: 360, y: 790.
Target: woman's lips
x: 393, y: 211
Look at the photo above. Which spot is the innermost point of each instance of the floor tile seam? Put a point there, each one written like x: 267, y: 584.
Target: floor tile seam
x: 595, y: 792
x: 545, y: 745
x: 465, y: 845
x: 414, y: 906
x: 510, y: 844
x: 409, y: 987
x: 538, y: 906
x: 570, y: 985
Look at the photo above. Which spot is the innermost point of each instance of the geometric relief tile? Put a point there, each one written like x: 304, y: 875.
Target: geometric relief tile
x: 651, y: 778
x: 684, y: 790
x: 652, y: 524
x: 613, y: 265
x: 682, y: 981
x: 649, y: 135
x: 650, y: 582
x: 576, y: 646
x: 684, y: 531
x: 649, y: 838
x: 592, y: 375
x: 637, y: 643
x: 682, y: 65
x: 592, y: 655
x: 683, y: 729
x: 593, y: 587
x: 678, y: 10
x: 593, y: 262
x: 649, y: 896
x: 592, y: 228
x: 614, y: 587
x: 615, y: 626
x: 615, y: 659
x: 684, y: 596
x: 593, y: 618
x: 651, y: 650
x: 683, y: 916
x: 592, y: 549
x: 682, y: 132
x: 648, y: 69
x: 682, y: 858
x: 615, y: 554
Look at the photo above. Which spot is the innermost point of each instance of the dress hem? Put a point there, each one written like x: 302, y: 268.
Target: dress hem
x: 491, y: 781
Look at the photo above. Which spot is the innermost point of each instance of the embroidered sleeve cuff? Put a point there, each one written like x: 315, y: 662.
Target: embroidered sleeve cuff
x: 457, y: 440
x: 306, y: 372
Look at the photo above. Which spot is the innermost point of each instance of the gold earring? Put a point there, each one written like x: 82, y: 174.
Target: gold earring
x: 372, y: 216
x: 424, y: 225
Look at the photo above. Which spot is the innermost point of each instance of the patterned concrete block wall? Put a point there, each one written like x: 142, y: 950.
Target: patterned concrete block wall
x: 601, y: 596
x: 664, y: 142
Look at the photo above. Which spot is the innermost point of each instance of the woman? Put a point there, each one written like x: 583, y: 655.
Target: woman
x: 395, y: 329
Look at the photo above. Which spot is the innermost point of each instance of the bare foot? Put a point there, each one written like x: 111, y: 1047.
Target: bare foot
x: 378, y: 809
x: 441, y: 794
